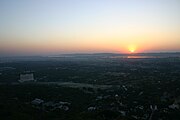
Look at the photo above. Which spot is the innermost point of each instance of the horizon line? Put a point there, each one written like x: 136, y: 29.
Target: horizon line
x: 87, y: 53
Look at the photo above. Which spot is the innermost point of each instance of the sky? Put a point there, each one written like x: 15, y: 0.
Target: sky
x: 89, y: 26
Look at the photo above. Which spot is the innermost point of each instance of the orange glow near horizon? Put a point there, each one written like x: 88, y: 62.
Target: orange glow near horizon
x: 89, y: 26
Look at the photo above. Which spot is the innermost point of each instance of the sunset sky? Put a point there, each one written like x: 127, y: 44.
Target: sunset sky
x: 89, y: 26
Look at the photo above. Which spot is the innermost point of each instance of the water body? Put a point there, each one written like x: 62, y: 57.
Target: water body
x: 135, y: 57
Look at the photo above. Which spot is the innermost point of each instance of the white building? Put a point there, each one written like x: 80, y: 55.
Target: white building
x: 26, y: 77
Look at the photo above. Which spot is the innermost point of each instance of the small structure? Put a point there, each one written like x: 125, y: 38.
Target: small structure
x: 28, y: 77
x: 176, y: 103
x: 62, y: 107
x: 51, y: 106
x: 91, y: 108
x: 174, y: 106
x: 37, y: 102
x: 123, y: 113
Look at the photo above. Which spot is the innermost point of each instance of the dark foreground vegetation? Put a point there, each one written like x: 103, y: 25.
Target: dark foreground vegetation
x: 91, y: 88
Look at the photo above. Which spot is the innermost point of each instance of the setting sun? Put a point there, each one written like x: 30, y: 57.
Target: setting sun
x: 132, y: 48
x: 89, y: 26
